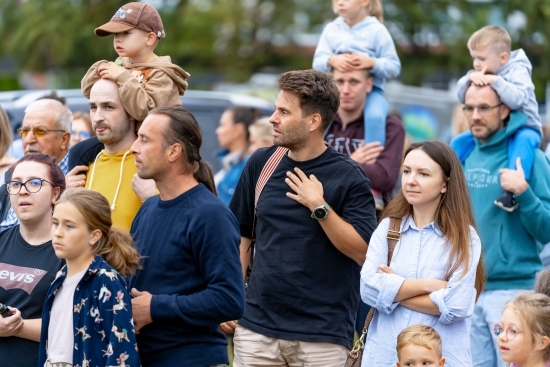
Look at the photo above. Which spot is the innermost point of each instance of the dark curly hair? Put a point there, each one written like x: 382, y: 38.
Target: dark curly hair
x: 316, y: 91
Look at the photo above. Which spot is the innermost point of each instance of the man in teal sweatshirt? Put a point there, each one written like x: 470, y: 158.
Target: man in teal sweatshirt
x: 509, y: 240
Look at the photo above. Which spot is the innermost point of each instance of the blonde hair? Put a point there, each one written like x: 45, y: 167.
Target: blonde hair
x: 262, y: 128
x: 374, y: 9
x: 490, y: 35
x: 6, y: 136
x: 543, y: 282
x: 421, y: 335
x: 533, y: 309
x: 115, y: 246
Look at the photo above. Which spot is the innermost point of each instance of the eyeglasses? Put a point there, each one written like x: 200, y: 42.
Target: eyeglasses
x: 81, y: 134
x: 34, y: 185
x: 37, y: 131
x: 483, y: 109
x: 511, y: 332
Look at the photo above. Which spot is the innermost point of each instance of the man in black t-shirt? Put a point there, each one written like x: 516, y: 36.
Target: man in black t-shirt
x: 314, y: 219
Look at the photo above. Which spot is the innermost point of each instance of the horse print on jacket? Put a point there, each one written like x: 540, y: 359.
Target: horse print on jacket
x: 104, y: 335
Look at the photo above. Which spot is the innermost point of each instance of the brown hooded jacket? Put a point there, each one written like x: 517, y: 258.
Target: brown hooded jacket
x: 144, y: 86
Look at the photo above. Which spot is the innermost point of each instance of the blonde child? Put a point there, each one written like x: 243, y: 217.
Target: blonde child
x: 524, y: 331
x: 509, y: 74
x: 145, y: 80
x: 89, y: 290
x: 543, y: 282
x: 356, y: 40
x: 419, y: 345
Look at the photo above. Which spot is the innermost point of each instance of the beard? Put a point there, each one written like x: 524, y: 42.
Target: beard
x: 113, y: 134
x: 293, y: 138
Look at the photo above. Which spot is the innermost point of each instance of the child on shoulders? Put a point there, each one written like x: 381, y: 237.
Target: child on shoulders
x: 356, y: 40
x: 509, y: 74
x: 145, y: 80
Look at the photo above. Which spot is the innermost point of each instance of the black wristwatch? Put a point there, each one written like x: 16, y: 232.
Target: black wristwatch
x: 321, y: 212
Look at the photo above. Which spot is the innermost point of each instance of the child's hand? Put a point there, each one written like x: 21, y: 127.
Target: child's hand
x: 480, y: 79
x: 110, y: 71
x: 490, y: 78
x: 341, y: 62
x: 361, y: 61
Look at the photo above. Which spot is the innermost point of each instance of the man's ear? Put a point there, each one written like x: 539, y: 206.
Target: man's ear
x: 174, y: 152
x: 370, y: 83
x: 442, y: 362
x: 504, y: 111
x: 315, y: 122
x: 65, y: 139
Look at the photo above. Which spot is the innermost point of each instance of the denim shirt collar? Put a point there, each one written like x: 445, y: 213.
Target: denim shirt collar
x: 409, y: 224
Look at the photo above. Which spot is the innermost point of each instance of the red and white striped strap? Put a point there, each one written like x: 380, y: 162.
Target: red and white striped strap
x: 267, y: 171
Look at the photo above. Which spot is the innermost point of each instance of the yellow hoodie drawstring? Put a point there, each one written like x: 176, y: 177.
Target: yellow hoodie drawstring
x: 113, y: 207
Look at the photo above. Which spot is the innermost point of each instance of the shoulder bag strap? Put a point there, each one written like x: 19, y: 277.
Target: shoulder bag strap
x: 393, y: 235
x: 266, y: 173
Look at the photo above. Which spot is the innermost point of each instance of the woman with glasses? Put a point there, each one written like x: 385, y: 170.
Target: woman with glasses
x: 81, y: 128
x: 28, y: 264
x: 435, y: 273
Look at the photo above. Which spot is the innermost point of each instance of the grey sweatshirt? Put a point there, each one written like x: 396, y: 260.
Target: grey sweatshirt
x: 514, y: 87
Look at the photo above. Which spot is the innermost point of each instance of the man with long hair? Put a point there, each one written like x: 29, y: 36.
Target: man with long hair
x: 189, y: 240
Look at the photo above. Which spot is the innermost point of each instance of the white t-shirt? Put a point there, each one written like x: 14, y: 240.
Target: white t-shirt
x: 60, y: 329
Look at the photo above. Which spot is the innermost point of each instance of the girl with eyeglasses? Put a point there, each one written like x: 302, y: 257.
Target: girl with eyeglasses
x: 524, y: 331
x: 28, y: 264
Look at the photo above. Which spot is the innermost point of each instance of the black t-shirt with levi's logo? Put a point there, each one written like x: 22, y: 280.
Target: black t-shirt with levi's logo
x: 26, y: 272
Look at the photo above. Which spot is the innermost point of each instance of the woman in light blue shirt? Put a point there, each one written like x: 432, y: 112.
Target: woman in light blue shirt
x: 435, y: 274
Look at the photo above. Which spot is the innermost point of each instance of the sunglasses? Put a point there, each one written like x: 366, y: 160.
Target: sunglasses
x: 39, y: 132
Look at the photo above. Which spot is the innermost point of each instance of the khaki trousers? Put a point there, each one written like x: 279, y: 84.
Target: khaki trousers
x: 255, y: 350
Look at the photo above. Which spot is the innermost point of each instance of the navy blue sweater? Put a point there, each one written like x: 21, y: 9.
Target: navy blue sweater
x: 191, y: 265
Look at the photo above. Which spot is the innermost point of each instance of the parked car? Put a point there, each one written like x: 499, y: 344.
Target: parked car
x: 206, y: 106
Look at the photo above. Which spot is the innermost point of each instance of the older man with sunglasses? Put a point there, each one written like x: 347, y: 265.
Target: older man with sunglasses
x: 46, y: 129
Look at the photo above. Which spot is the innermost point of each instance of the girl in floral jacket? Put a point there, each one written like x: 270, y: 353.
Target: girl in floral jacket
x: 87, y: 317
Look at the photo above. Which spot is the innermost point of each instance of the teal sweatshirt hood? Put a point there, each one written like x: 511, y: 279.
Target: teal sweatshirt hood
x: 509, y: 240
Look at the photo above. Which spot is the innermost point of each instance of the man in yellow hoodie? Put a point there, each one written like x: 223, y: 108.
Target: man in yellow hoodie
x: 113, y: 172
